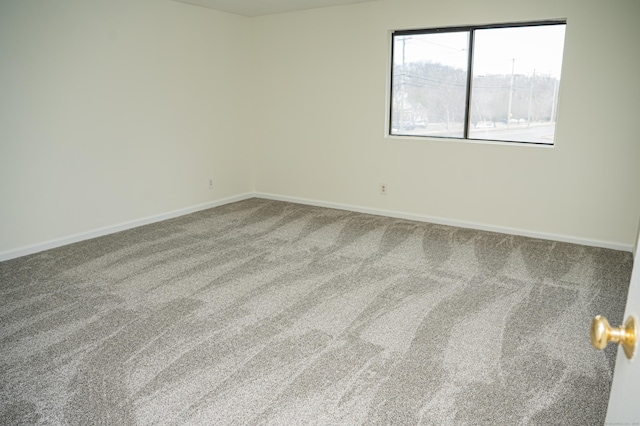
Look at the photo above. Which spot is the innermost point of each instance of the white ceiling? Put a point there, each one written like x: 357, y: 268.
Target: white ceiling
x: 267, y: 7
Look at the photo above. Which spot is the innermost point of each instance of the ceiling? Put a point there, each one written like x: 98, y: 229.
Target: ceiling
x: 267, y: 7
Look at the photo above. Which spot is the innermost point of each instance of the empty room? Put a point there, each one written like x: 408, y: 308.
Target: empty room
x: 328, y: 212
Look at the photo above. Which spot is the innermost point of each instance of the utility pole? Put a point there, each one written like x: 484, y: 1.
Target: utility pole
x: 554, y: 100
x: 533, y: 79
x: 513, y: 65
x: 402, y: 88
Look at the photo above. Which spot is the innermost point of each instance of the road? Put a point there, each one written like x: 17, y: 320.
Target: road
x: 536, y: 133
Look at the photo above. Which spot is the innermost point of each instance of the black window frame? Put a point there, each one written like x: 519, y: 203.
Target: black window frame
x: 470, y: 29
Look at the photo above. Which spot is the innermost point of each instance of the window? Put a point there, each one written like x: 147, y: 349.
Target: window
x: 497, y: 82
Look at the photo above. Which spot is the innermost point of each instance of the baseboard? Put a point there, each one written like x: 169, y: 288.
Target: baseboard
x: 36, y: 248
x: 47, y: 245
x: 443, y: 221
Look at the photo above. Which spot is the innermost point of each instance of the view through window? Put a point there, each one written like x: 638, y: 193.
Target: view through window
x: 485, y: 83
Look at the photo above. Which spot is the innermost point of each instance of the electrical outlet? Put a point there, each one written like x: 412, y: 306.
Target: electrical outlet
x: 383, y: 189
x: 210, y: 183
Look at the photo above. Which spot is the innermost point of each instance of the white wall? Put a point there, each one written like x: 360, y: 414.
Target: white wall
x: 112, y: 111
x: 320, y: 83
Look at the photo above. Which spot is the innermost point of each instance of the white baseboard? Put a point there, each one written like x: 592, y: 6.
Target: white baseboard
x: 36, y: 248
x: 47, y: 245
x: 443, y: 221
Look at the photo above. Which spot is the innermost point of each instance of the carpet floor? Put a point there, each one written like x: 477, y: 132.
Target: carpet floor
x: 266, y: 312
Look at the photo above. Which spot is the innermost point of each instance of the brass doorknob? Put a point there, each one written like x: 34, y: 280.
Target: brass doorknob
x: 627, y: 335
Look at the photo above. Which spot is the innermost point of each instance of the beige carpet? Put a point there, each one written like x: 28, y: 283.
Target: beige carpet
x: 265, y: 312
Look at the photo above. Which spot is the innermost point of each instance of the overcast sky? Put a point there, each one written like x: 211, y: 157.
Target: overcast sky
x: 536, y: 48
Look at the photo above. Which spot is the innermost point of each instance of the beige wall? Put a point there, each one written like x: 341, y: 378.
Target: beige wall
x: 116, y: 110
x: 320, y: 80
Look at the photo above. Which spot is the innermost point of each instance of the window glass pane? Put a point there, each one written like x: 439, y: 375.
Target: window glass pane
x: 429, y: 84
x: 516, y: 75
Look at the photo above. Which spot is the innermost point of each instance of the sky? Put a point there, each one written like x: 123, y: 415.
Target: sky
x: 527, y: 49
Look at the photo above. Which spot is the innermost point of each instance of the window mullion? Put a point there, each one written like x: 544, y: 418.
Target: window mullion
x: 467, y: 108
